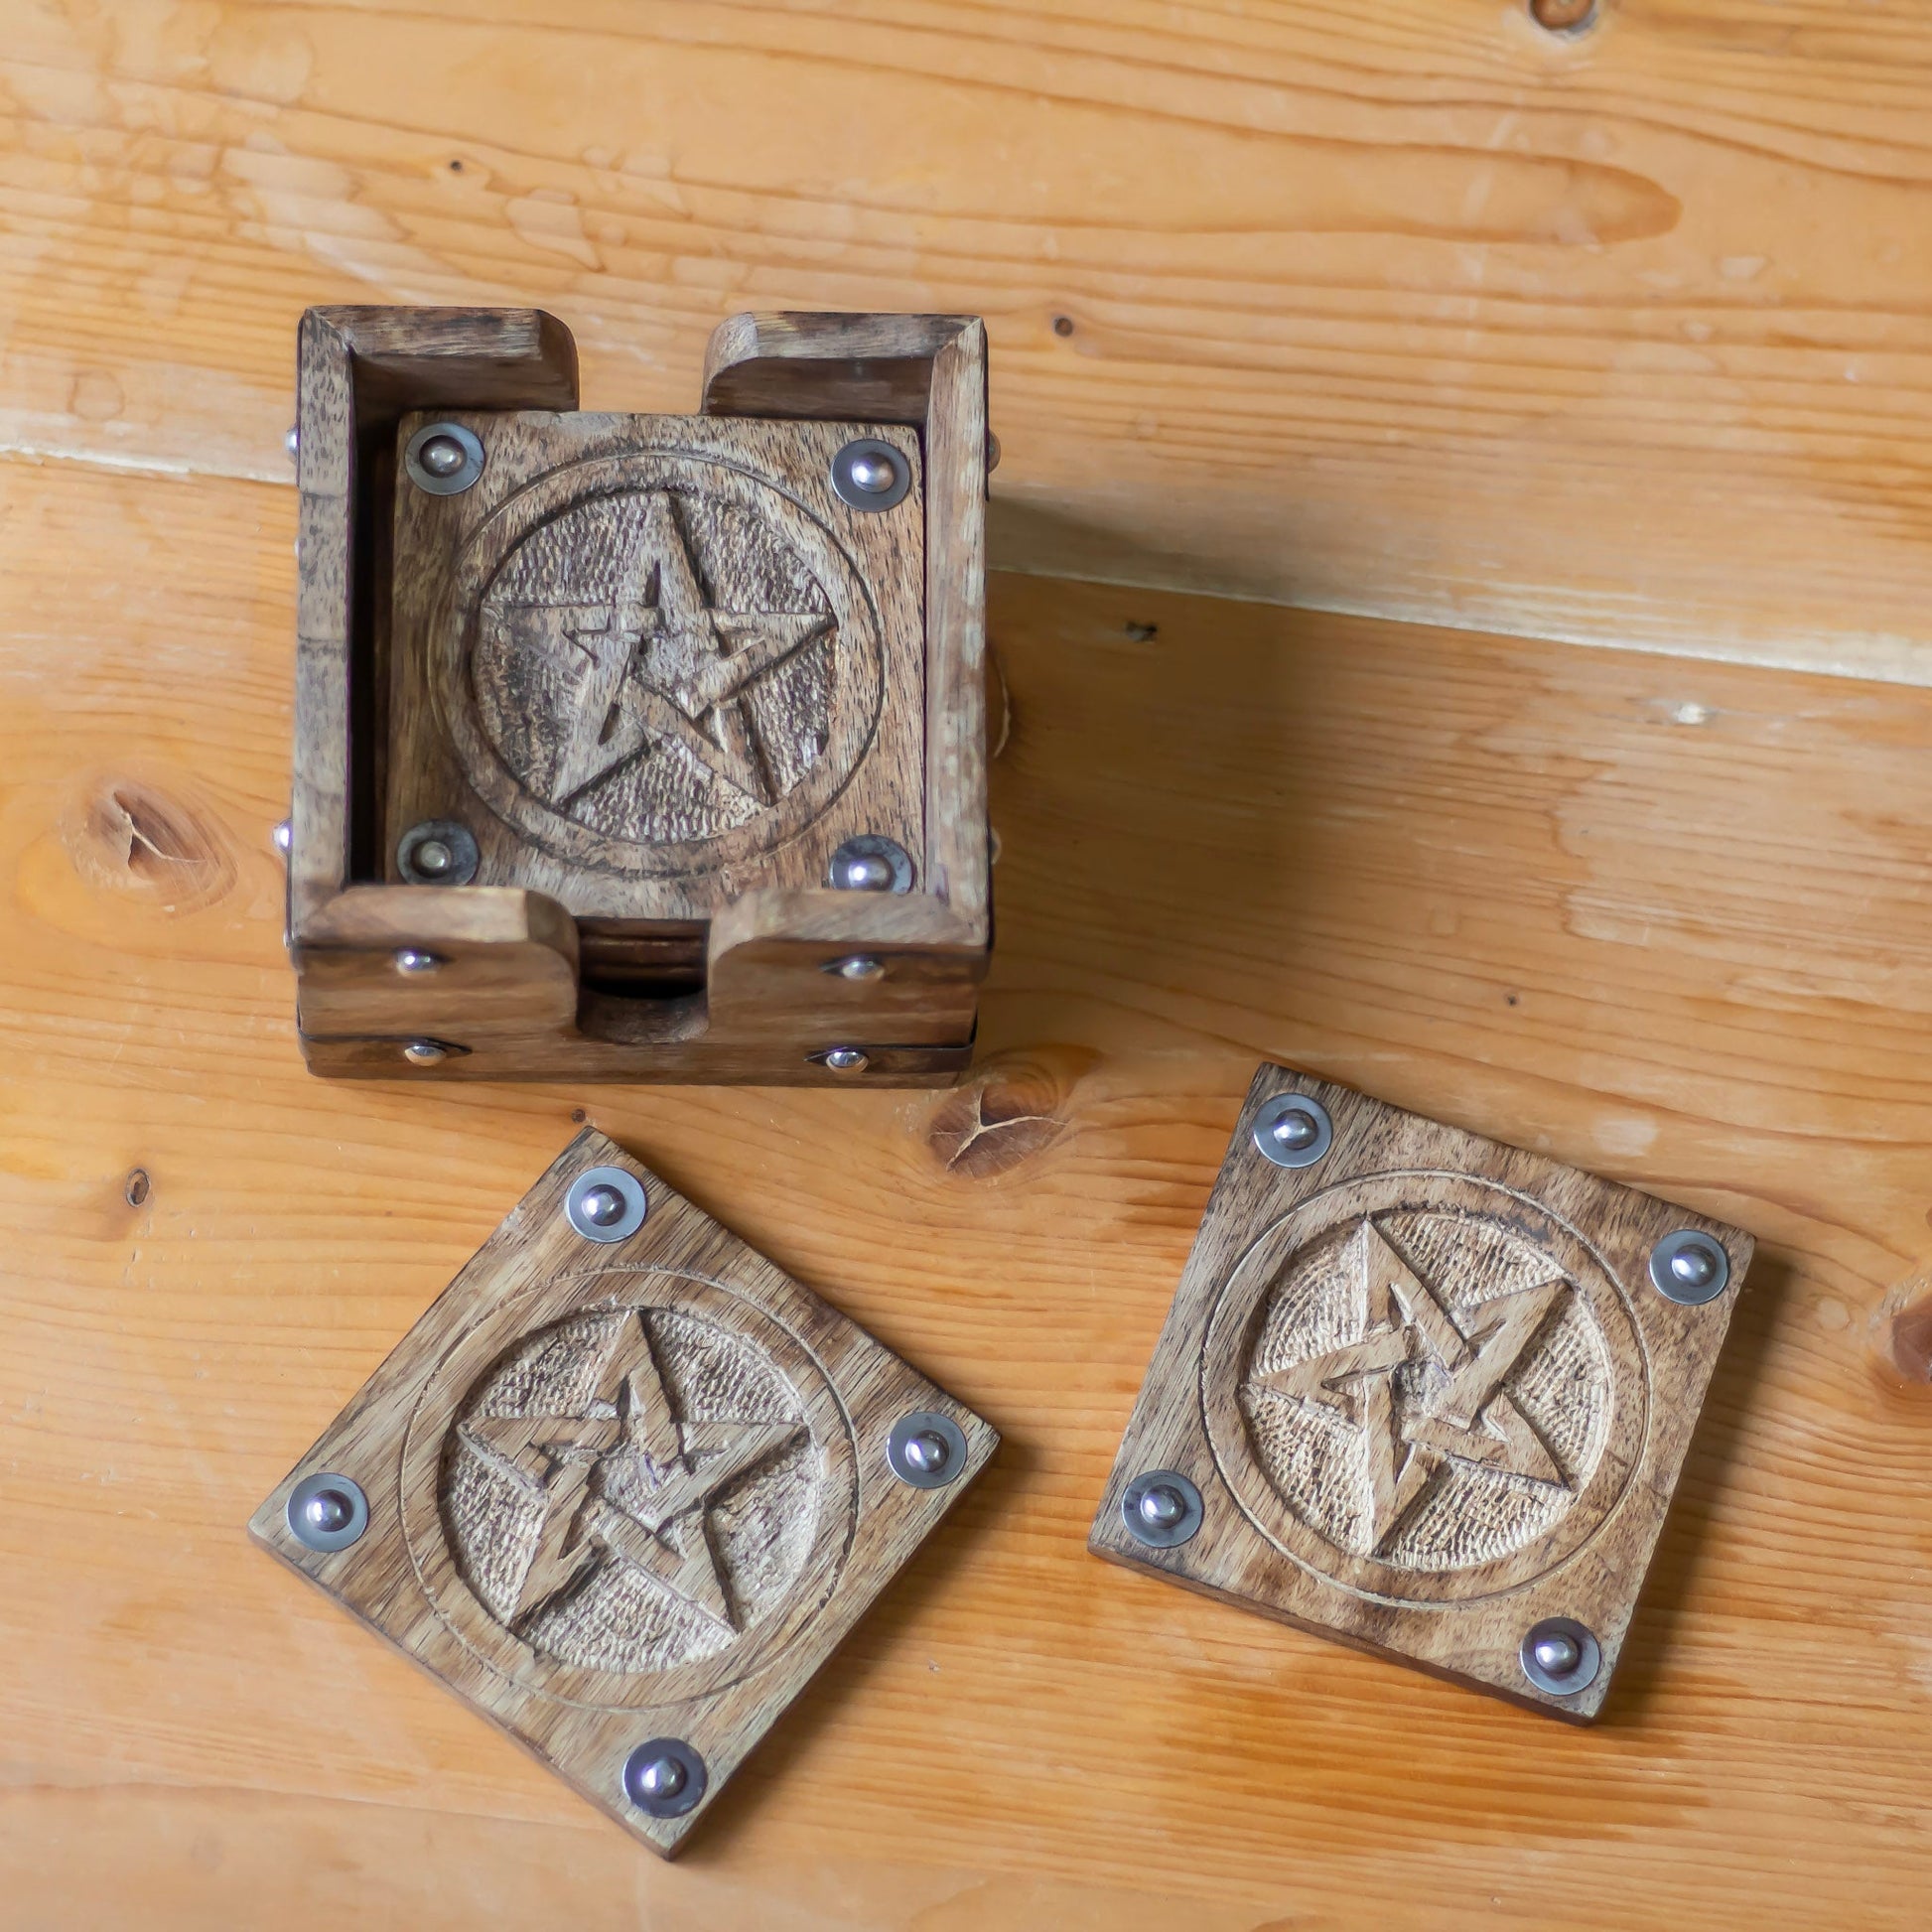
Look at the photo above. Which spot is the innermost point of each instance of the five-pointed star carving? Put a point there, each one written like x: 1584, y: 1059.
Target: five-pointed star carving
x: 659, y: 667
x: 685, y: 1465
x: 1460, y: 1410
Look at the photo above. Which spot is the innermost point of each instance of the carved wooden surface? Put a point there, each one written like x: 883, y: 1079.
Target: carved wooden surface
x: 653, y: 663
x: 1415, y: 310
x: 1427, y: 1394
x: 625, y: 1490
x: 1662, y: 920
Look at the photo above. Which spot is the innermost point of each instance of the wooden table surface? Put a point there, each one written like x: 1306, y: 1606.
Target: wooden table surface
x: 1665, y: 918
x: 1411, y: 309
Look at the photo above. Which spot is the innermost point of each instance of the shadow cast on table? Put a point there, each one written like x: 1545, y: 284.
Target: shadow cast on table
x: 1043, y: 539
x: 1155, y: 777
x: 881, y: 1638
x: 1716, y: 1450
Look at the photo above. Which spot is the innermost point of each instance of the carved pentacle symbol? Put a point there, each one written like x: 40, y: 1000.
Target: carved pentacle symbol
x: 1426, y: 1400
x: 669, y: 664
x: 1455, y: 1417
x: 625, y: 697
x: 631, y: 1490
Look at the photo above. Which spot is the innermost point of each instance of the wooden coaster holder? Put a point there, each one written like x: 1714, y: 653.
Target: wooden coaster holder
x: 724, y: 955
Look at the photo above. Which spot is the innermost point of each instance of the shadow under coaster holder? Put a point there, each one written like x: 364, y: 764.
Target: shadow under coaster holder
x: 1424, y: 1392
x: 640, y: 748
x: 625, y: 1494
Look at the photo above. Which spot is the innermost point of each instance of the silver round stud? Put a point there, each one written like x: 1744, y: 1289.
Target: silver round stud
x: 292, y: 442
x: 600, y: 1206
x: 327, y: 1511
x: 664, y: 1777
x: 868, y: 475
x: 606, y: 1205
x: 443, y: 458
x: 1162, y: 1509
x: 438, y: 852
x: 1560, y: 1656
x: 844, y: 1059
x: 1293, y: 1130
x: 861, y: 967
x: 283, y: 836
x: 1557, y: 1652
x: 1690, y: 1267
x: 425, y: 1052
x: 414, y: 962
x: 926, y: 1449
x: 869, y: 863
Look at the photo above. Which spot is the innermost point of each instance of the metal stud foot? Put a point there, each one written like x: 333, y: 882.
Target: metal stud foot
x: 664, y: 1777
x: 1293, y: 1130
x: 926, y: 1449
x: 1560, y: 1656
x: 327, y: 1511
x: 606, y: 1205
x: 1162, y: 1509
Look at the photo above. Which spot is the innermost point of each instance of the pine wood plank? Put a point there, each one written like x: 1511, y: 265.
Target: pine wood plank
x: 1662, y: 920
x: 1413, y: 310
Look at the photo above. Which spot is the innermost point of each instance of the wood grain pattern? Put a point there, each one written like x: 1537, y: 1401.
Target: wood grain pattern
x: 1427, y: 1392
x: 559, y: 629
x: 1661, y: 920
x: 1413, y: 310
x: 623, y: 1490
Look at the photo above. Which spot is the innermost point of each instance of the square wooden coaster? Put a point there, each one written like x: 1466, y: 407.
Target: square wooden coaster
x: 650, y: 663
x: 1424, y: 1392
x: 625, y: 1487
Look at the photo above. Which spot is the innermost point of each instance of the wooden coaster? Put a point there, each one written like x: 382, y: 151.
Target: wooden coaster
x: 653, y: 663
x: 1424, y: 1392
x: 623, y: 1487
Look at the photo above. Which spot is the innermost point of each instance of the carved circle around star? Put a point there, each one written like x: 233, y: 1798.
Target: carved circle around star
x: 621, y: 1646
x: 504, y: 704
x: 1298, y: 1467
